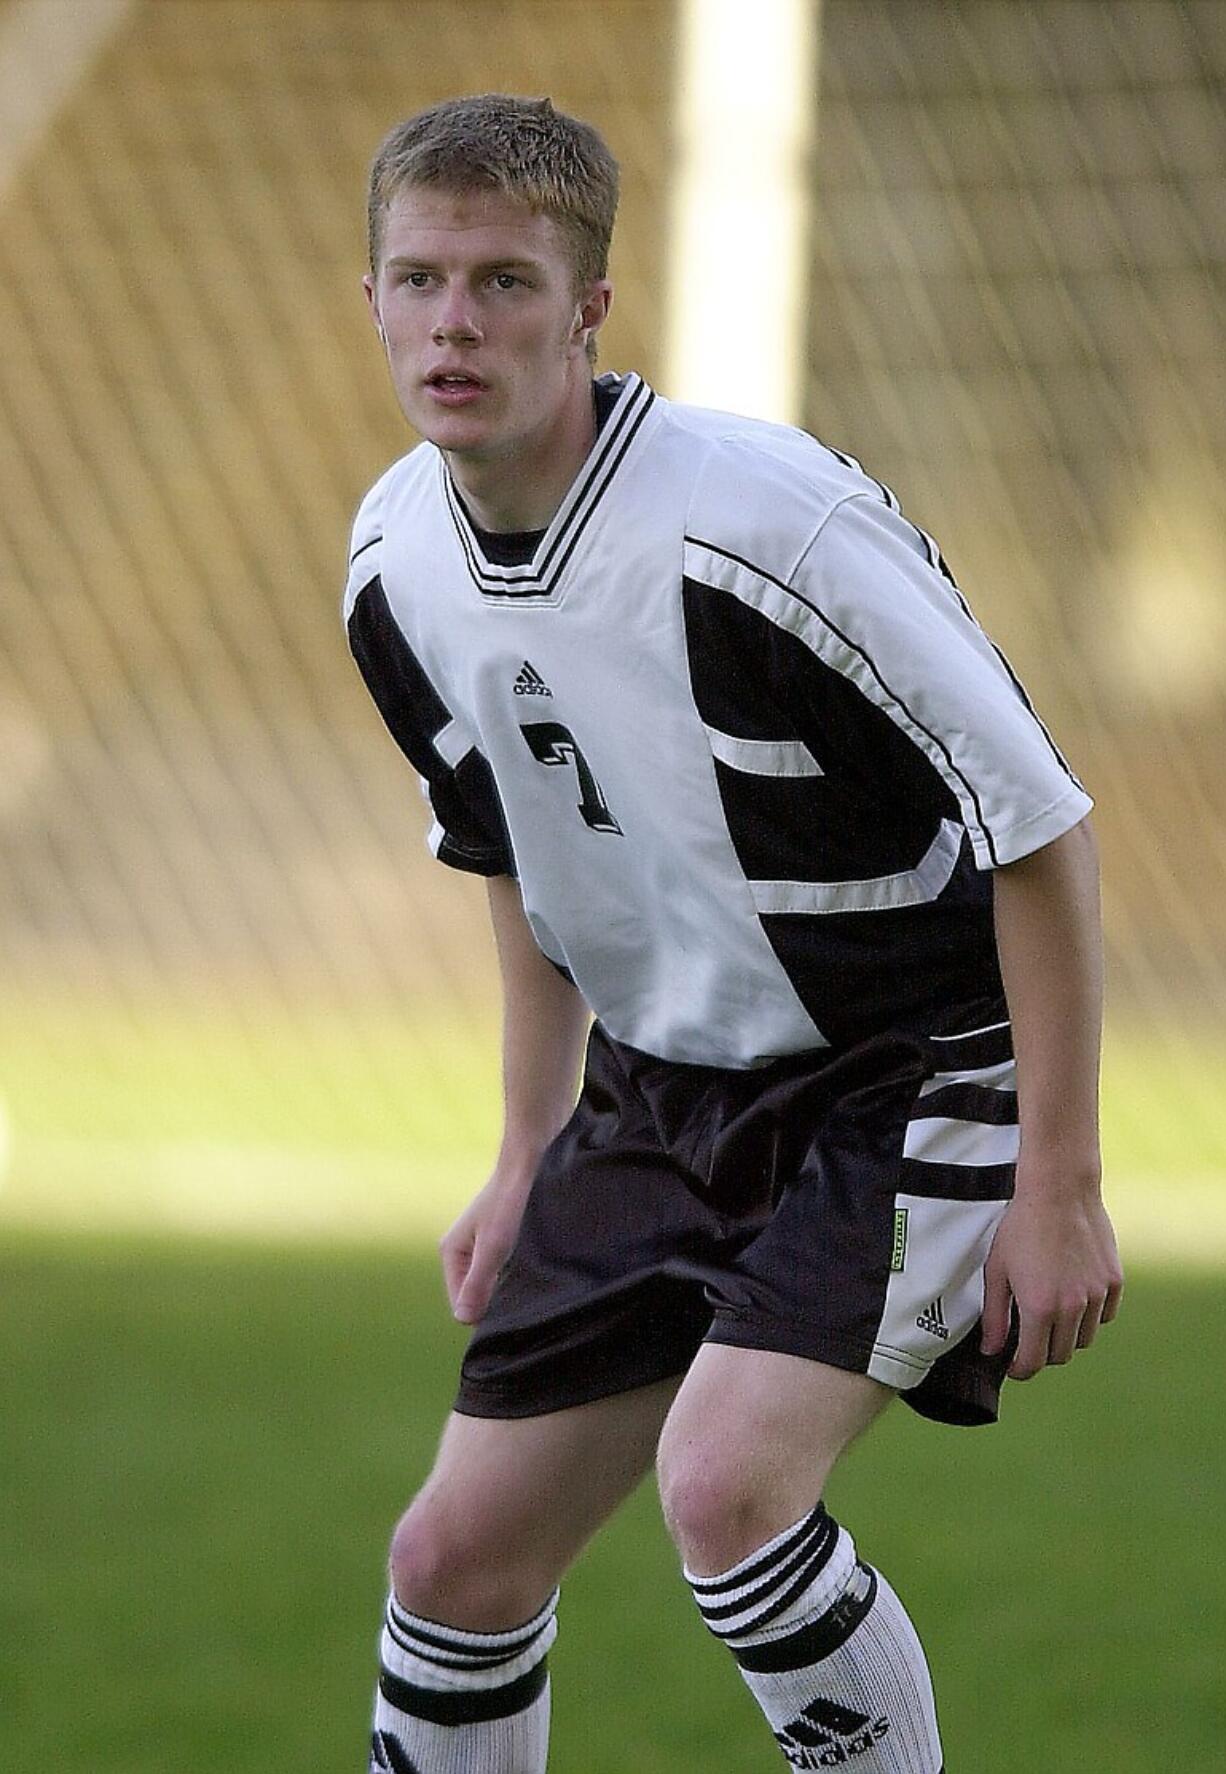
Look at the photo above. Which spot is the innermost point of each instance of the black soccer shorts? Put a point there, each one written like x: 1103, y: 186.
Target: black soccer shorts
x: 837, y: 1206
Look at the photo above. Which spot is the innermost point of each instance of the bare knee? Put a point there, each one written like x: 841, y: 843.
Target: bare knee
x: 718, y: 1508
x: 511, y: 1501
x: 748, y: 1446
x: 452, y: 1567
x: 729, y: 1481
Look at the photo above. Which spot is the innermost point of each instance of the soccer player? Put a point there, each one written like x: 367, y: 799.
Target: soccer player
x: 753, y: 789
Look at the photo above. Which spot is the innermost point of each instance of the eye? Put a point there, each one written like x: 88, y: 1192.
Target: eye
x: 505, y: 280
x: 416, y: 280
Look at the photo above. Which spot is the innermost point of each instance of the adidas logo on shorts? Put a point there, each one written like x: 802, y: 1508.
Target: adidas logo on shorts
x: 530, y: 682
x: 932, y: 1320
x: 827, y: 1735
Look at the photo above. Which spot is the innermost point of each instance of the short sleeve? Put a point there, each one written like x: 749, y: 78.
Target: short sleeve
x: 890, y: 619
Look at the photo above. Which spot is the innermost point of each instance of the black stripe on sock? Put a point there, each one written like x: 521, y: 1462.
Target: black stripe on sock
x: 820, y: 1639
x: 781, y: 1601
x: 460, y: 1660
x: 737, y: 1578
x: 511, y: 1643
x: 809, y: 1559
x: 470, y: 1706
x: 389, y: 1757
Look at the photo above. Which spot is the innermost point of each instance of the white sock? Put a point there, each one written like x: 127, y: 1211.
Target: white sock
x: 827, y: 1651
x: 452, y: 1702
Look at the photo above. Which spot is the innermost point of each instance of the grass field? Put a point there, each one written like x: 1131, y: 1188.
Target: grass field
x: 226, y: 1357
x: 205, y: 1444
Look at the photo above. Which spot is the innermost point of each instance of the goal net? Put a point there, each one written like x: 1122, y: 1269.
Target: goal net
x: 222, y: 936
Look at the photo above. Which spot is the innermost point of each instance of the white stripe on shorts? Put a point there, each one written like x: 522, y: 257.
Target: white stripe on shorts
x: 1000, y: 1077
x: 936, y: 1140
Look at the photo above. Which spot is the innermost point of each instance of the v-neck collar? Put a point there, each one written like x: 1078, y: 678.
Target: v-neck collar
x: 540, y: 577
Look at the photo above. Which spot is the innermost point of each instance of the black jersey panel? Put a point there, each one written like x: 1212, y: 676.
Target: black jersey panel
x: 735, y: 652
x: 464, y: 797
x: 467, y: 806
x: 858, y: 972
x: 413, y: 711
x: 877, y: 802
x: 731, y: 659
x: 816, y: 829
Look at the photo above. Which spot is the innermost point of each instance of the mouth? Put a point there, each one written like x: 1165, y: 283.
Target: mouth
x: 453, y: 381
x: 451, y: 390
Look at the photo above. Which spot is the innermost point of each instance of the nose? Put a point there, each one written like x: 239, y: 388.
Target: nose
x: 455, y: 323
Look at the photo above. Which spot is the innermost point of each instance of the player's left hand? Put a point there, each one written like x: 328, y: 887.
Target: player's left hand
x: 1054, y: 1258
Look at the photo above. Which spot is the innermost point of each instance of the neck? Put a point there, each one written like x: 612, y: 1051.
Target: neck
x: 522, y: 488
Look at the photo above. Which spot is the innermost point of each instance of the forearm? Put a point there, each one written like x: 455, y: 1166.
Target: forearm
x: 544, y: 1022
x: 1053, y: 1269
x: 1048, y: 935
x: 544, y: 1026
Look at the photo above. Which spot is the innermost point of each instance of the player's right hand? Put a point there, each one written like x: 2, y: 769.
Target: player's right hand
x: 477, y: 1246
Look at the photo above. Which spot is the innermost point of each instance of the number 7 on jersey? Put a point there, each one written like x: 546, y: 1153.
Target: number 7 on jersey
x: 551, y: 743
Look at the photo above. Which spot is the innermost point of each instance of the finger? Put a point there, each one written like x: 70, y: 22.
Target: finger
x: 471, y: 1301
x: 1065, y: 1331
x: 997, y: 1303
x: 474, y: 1295
x: 1091, y: 1321
x: 457, y: 1260
x: 1115, y: 1294
x: 470, y: 1307
x: 1033, y: 1343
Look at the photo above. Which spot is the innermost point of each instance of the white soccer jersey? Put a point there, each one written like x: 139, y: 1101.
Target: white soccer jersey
x: 733, y: 728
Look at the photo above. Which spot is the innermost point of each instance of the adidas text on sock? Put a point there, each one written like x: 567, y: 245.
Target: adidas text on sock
x: 828, y: 1652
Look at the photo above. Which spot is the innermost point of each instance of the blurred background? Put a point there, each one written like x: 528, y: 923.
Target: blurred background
x: 239, y: 997
x: 237, y: 988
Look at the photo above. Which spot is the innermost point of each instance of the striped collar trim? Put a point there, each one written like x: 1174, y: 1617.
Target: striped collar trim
x: 541, y: 576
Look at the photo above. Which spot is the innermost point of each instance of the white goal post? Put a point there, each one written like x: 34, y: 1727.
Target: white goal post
x: 745, y: 126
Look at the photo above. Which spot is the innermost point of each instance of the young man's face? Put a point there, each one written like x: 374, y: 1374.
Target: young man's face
x: 485, y: 332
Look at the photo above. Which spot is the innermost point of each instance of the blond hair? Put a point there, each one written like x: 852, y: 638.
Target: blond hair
x: 552, y: 163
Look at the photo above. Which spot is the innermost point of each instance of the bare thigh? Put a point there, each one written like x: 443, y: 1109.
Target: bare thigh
x: 511, y: 1502
x: 749, y: 1444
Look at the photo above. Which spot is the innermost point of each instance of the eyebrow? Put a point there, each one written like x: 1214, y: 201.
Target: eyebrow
x: 414, y: 262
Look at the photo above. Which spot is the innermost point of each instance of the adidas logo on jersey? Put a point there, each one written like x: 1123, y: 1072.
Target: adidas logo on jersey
x: 827, y: 1735
x: 932, y: 1320
x: 530, y: 682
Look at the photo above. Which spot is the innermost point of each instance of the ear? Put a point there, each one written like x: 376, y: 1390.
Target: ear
x: 368, y: 284
x: 592, y: 312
